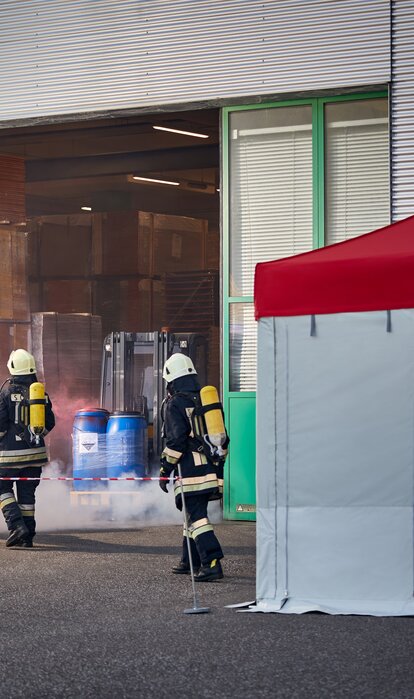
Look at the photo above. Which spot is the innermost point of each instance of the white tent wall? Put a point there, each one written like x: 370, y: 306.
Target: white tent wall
x: 335, y: 460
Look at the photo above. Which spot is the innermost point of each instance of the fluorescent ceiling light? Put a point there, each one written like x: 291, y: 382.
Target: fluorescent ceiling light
x: 152, y: 179
x: 184, y: 133
x: 86, y: 208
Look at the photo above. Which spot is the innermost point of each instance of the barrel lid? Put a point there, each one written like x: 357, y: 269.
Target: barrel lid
x: 92, y: 412
x: 126, y: 413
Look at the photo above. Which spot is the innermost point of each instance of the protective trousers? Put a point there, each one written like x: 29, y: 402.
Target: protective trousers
x: 21, y: 508
x: 205, y: 546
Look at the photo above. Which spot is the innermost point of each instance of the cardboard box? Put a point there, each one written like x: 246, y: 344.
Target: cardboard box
x: 12, y: 190
x: 12, y: 336
x: 116, y: 249
x: 68, y: 353
x: 107, y: 304
x: 33, y: 254
x: 147, y: 244
x: 14, y: 302
x: 65, y: 246
x: 132, y: 305
x: 178, y: 243
x: 35, y: 297
x: 125, y: 256
x: 158, y: 319
x: 67, y: 295
x: 213, y: 249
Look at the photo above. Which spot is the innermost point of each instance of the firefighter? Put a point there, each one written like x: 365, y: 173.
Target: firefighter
x: 22, y: 452
x: 202, y: 476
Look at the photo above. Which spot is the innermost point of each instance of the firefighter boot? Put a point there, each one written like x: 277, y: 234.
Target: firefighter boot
x: 26, y: 543
x: 183, y: 568
x: 18, y: 535
x: 210, y: 572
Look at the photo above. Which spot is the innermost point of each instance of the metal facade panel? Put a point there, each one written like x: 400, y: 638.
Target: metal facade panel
x: 67, y: 56
x: 402, y: 109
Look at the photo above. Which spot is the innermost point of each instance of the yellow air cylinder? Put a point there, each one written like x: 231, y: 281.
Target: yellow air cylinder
x: 37, y: 409
x: 214, y: 418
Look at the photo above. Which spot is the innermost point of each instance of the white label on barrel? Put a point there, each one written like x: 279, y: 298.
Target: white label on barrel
x: 88, y: 443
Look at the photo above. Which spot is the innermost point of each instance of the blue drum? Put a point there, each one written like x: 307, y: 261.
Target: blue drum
x: 89, y: 448
x: 127, y: 445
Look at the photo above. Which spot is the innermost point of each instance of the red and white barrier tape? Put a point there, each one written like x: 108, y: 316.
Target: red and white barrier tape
x: 75, y: 478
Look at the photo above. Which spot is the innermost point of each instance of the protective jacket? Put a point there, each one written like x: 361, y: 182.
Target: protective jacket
x: 16, y: 451
x: 201, y: 475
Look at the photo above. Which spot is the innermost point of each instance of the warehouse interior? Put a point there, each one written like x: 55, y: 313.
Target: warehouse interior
x: 109, y: 224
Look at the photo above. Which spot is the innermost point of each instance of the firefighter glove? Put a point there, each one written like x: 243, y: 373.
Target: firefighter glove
x: 164, y: 484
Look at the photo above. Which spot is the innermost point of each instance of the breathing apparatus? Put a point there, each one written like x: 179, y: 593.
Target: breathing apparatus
x: 215, y: 435
x: 29, y: 401
x: 37, y: 410
x: 30, y: 411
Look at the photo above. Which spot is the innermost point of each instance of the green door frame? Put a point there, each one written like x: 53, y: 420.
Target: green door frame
x: 318, y: 177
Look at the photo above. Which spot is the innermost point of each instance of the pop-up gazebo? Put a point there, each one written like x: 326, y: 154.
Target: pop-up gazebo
x: 335, y: 427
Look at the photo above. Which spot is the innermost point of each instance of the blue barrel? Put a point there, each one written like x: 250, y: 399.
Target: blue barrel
x: 89, y: 448
x: 127, y: 445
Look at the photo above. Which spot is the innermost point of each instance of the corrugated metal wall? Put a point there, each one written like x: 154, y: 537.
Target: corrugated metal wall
x: 67, y: 56
x: 402, y: 110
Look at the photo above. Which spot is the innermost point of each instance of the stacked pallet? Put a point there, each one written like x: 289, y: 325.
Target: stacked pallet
x: 112, y: 264
x: 60, y: 264
x: 12, y: 191
x: 191, y: 300
x: 68, y: 353
x: 14, y: 300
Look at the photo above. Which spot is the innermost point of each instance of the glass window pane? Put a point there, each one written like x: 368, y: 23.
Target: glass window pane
x: 356, y: 168
x: 270, y: 189
x: 243, y: 347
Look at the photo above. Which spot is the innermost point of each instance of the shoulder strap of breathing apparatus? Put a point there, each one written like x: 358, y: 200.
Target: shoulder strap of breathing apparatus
x: 29, y: 410
x: 208, y: 433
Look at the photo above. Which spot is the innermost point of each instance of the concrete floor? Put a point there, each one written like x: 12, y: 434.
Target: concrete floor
x: 97, y: 614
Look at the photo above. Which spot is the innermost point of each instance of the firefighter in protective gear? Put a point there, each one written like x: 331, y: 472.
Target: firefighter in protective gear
x: 22, y: 453
x: 202, y: 478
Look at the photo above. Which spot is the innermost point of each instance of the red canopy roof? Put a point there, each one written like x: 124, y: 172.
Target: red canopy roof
x: 372, y: 272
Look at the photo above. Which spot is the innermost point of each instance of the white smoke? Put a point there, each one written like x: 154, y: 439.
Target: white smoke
x: 117, y: 504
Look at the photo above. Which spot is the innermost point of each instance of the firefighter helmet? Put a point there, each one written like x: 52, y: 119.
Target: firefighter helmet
x: 21, y: 362
x: 177, y: 365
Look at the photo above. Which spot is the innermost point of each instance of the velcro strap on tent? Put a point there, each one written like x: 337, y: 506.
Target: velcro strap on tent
x: 313, y: 326
x: 389, y: 326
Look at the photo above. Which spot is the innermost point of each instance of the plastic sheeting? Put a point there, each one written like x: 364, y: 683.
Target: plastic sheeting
x: 335, y: 460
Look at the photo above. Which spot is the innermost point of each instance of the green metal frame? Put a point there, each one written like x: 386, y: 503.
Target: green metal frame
x: 318, y: 176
